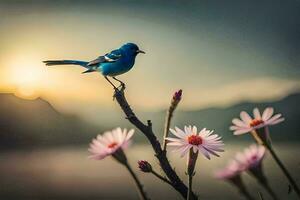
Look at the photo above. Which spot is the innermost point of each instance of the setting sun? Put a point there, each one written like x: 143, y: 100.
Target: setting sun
x: 26, y: 92
x: 26, y: 74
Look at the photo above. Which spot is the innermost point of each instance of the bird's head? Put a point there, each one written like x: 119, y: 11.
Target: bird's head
x: 131, y: 49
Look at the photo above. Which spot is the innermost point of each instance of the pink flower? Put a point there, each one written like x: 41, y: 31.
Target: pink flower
x: 204, y: 141
x: 251, y: 157
x: 231, y: 171
x: 251, y: 161
x: 109, y: 143
x: 247, y: 124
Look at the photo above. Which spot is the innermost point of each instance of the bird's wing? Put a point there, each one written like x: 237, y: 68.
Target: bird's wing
x: 109, y: 57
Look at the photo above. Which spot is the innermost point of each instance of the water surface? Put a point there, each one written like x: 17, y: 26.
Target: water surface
x: 67, y: 173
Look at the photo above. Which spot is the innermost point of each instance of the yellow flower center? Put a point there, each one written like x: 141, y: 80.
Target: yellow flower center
x: 195, y: 140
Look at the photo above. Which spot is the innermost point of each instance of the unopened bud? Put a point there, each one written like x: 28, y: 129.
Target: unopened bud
x: 145, y: 166
x: 177, y: 95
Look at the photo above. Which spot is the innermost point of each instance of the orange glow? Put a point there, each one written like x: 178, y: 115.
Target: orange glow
x: 26, y: 74
x: 26, y: 93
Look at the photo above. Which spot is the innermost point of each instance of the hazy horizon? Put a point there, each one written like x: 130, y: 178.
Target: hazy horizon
x: 219, y: 53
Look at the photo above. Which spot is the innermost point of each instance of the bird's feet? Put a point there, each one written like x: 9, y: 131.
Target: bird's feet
x: 121, y: 87
x: 119, y: 90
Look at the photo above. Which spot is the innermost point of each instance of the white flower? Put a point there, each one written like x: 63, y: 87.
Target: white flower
x: 204, y: 141
x: 251, y: 157
x: 110, y: 142
x: 247, y: 124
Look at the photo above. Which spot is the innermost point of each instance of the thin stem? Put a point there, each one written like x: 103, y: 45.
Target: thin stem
x: 278, y: 161
x: 260, y: 196
x: 261, y: 178
x: 258, y: 173
x: 190, y: 184
x: 160, y: 177
x: 269, y: 190
x: 192, y: 159
x: 245, y: 192
x: 167, y: 127
x: 138, y: 184
x: 239, y: 184
x: 175, y: 101
x: 284, y: 170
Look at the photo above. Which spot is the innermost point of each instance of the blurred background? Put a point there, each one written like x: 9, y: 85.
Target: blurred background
x: 227, y: 56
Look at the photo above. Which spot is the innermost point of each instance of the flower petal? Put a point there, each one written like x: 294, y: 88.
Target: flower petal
x: 129, y: 134
x: 185, y: 150
x: 204, y: 152
x: 268, y: 112
x: 277, y: 121
x: 174, y: 144
x: 233, y: 128
x: 256, y: 113
x: 194, y: 130
x: 178, y: 132
x: 242, y: 131
x: 174, y: 139
x: 274, y: 118
x: 245, y: 117
x: 239, y: 122
x: 195, y: 149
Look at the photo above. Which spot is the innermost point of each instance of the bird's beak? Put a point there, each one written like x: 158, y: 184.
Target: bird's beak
x: 140, y: 51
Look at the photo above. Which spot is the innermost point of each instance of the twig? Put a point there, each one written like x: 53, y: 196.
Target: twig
x: 260, y: 196
x: 160, y: 177
x: 139, y: 186
x: 159, y: 153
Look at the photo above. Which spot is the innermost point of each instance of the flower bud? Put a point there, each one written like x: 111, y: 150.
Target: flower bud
x: 145, y: 166
x: 177, y: 95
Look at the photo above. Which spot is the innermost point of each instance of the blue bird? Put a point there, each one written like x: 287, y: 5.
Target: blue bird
x: 112, y: 64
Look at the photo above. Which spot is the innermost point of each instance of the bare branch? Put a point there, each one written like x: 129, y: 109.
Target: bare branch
x: 159, y: 153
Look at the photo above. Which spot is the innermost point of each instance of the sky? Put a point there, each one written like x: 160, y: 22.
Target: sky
x: 219, y: 52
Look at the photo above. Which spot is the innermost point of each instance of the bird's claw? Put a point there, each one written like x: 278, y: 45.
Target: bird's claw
x: 119, y: 89
x: 122, y: 87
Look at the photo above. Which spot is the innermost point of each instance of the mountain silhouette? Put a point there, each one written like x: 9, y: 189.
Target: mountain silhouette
x: 32, y: 123
x: 219, y: 119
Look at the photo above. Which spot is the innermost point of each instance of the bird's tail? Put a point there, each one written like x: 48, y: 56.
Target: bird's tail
x: 66, y: 62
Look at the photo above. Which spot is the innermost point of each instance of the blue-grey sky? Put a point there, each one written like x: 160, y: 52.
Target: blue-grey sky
x: 218, y: 52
